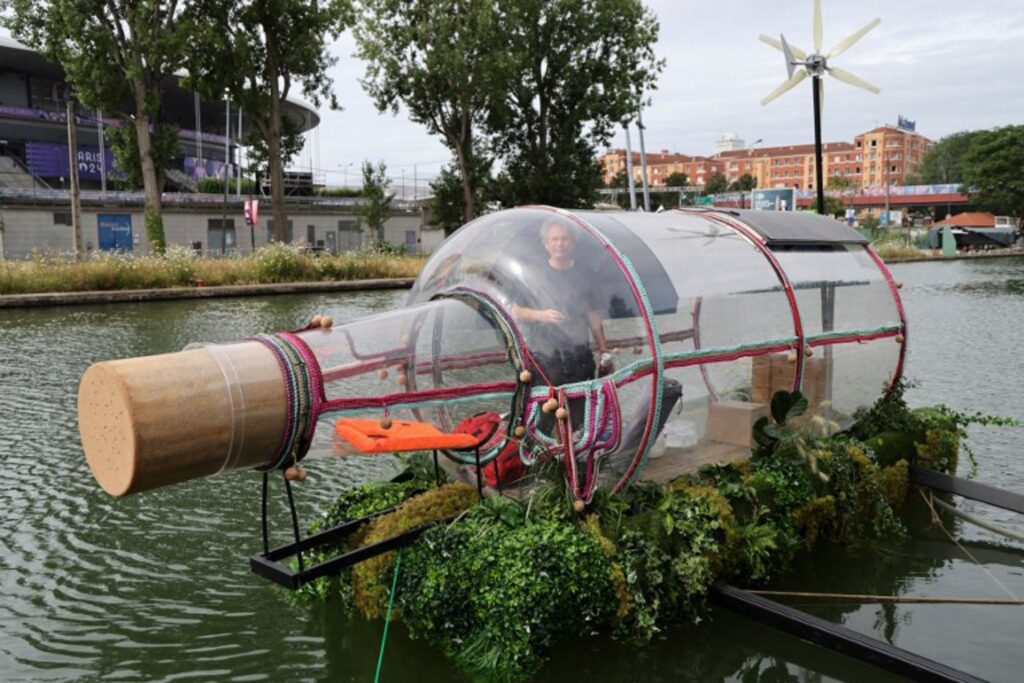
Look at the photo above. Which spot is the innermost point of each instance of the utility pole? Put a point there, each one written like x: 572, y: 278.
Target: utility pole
x: 886, y: 164
x: 103, y: 153
x: 629, y: 171
x: 415, y: 182
x: 819, y: 171
x: 76, y: 204
x: 238, y: 154
x: 227, y: 158
x: 643, y: 161
x: 199, y: 132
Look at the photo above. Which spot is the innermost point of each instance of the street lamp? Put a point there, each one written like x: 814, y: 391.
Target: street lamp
x: 344, y: 171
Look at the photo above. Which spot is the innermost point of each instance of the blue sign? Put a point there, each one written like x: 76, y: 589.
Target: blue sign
x: 906, y: 124
x: 115, y: 231
x: 779, y: 199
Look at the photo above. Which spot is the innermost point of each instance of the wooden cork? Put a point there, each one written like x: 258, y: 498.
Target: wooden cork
x: 160, y: 420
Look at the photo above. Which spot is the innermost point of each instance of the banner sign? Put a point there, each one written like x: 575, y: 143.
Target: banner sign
x: 50, y: 160
x: 115, y: 231
x: 209, y: 168
x: 778, y: 199
x: 252, y: 211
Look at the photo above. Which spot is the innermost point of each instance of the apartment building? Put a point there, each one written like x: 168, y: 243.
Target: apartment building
x: 884, y: 153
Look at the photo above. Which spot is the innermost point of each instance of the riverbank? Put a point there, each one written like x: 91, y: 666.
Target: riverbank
x: 182, y: 269
x: 25, y: 284
x: 170, y: 293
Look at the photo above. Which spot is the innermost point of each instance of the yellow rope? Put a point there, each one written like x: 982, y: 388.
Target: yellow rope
x: 938, y: 521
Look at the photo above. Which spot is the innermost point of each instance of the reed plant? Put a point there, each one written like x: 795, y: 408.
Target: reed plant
x: 181, y: 267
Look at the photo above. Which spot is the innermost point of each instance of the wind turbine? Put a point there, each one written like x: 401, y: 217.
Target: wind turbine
x: 817, y: 65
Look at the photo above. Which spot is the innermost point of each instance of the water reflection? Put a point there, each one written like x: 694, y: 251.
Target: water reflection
x: 157, y: 587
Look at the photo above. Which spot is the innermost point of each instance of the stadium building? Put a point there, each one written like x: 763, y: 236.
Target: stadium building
x: 34, y: 176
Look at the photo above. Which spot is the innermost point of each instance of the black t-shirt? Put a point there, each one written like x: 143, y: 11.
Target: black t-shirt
x: 570, y: 291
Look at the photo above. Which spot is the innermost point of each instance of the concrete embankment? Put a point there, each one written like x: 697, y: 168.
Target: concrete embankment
x: 133, y: 295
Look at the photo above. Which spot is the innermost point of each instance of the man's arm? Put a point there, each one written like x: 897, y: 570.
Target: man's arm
x: 597, y: 329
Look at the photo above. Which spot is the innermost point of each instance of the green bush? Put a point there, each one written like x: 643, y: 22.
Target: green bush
x: 496, y: 597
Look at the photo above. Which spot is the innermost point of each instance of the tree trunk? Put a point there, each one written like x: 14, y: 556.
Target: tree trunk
x: 276, y: 167
x: 151, y: 184
x: 464, y: 152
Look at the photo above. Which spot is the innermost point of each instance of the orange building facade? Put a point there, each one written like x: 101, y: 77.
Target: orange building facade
x: 885, y: 154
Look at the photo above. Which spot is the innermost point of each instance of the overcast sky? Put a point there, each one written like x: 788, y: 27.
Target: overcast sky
x: 948, y: 64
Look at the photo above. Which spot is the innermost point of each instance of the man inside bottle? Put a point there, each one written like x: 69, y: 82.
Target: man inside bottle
x: 560, y: 307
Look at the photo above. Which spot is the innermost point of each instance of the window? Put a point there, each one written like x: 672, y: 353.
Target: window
x: 220, y: 235
x: 270, y: 231
x: 62, y: 218
x: 874, y: 143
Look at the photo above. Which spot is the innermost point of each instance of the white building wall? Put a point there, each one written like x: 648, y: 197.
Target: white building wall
x: 29, y: 229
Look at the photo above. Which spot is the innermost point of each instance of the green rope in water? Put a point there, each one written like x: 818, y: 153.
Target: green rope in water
x: 387, y: 617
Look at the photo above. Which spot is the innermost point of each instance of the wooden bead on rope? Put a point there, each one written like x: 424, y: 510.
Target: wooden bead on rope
x: 899, y: 338
x: 326, y: 322
x: 402, y: 379
x: 382, y: 373
x: 386, y: 422
x: 791, y: 356
x: 561, y: 413
x: 808, y: 351
x: 549, y: 405
x: 578, y: 505
x: 295, y: 473
x: 899, y: 284
x: 315, y: 321
x: 525, y: 376
x: 519, y: 431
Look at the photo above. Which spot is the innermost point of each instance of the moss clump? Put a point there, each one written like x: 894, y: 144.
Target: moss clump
x: 352, y: 504
x: 369, y: 577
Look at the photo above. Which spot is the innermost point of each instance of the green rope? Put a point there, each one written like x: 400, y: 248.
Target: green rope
x: 387, y: 617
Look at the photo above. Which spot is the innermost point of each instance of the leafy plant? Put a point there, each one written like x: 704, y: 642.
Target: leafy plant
x: 780, y: 436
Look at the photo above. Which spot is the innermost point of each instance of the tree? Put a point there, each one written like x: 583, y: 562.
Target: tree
x: 744, y: 183
x: 440, y: 60
x: 677, y: 179
x: 568, y: 176
x: 258, y: 151
x: 375, y: 211
x: 838, y: 182
x: 572, y: 70
x: 834, y: 207
x: 258, y: 51
x: 942, y: 163
x: 618, y: 181
x: 993, y: 170
x: 113, y: 54
x: 448, y: 203
x: 715, y: 184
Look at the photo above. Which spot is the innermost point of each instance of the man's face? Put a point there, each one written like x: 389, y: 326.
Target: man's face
x: 559, y: 242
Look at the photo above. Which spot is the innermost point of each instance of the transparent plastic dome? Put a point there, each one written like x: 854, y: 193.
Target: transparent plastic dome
x: 666, y: 334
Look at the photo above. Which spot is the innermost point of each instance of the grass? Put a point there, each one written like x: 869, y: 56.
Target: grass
x: 183, y: 268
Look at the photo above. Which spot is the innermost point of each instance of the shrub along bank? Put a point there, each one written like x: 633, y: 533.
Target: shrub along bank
x: 500, y: 586
x: 179, y: 267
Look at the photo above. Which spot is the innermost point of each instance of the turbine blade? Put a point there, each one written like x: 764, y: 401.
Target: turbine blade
x: 847, y: 42
x: 786, y: 85
x: 789, y: 56
x: 817, y: 26
x: 847, y: 77
x: 777, y: 44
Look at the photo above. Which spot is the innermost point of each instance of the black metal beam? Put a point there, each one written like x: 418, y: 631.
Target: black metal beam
x: 968, y: 489
x: 271, y: 565
x: 835, y: 637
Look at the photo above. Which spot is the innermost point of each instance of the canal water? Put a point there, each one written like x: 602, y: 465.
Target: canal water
x: 157, y: 586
